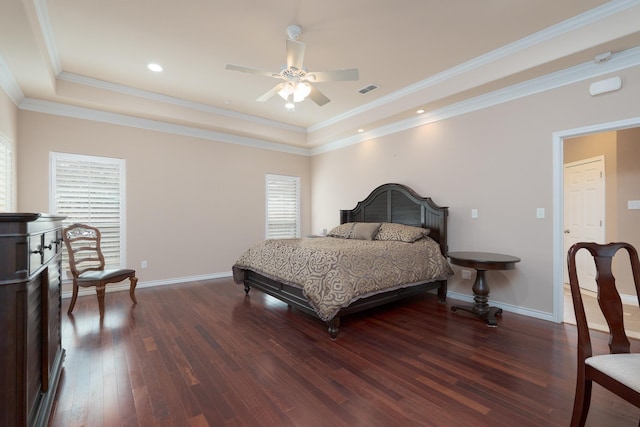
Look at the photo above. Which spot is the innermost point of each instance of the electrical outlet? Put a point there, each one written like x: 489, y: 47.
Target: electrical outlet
x: 466, y: 274
x: 474, y: 213
x: 143, y: 264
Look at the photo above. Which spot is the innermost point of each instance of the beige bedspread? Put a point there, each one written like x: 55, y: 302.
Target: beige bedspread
x: 334, y: 272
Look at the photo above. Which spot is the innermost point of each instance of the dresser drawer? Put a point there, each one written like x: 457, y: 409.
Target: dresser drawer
x: 36, y: 252
x: 51, y: 240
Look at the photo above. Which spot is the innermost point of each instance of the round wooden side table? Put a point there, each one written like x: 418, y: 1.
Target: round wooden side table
x: 481, y: 262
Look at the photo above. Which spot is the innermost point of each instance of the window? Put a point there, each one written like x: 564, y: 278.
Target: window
x: 6, y: 175
x: 90, y: 190
x: 283, y: 207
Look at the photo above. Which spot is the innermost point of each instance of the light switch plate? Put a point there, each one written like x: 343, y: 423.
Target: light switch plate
x: 540, y: 213
x: 633, y: 204
x: 474, y: 213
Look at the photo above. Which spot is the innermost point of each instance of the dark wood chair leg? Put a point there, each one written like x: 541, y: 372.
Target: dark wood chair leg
x: 132, y: 288
x: 100, y: 291
x: 581, y: 403
x: 74, y: 297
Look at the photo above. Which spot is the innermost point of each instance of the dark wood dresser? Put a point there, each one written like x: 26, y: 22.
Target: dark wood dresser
x: 31, y: 352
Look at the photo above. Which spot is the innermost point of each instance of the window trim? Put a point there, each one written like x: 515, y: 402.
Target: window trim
x: 6, y: 146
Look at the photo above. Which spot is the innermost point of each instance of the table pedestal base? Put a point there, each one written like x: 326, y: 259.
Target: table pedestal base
x: 481, y: 306
x: 489, y: 316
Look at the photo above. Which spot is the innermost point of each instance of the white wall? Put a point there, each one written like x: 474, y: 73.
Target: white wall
x: 498, y: 160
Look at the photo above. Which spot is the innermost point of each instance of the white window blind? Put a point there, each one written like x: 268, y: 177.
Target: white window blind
x: 6, y: 175
x: 283, y: 206
x: 90, y: 190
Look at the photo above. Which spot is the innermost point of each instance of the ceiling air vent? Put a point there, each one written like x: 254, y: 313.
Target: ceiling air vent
x: 368, y: 89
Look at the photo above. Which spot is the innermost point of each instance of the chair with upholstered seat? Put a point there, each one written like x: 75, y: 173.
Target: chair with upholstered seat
x: 618, y: 371
x: 88, y: 265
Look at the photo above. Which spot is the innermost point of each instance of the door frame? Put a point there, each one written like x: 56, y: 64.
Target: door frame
x: 559, y: 257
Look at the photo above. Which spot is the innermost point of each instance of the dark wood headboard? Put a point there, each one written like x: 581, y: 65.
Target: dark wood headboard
x: 400, y: 204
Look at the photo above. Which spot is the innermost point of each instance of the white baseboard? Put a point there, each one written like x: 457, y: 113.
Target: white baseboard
x: 124, y: 286
x: 505, y: 307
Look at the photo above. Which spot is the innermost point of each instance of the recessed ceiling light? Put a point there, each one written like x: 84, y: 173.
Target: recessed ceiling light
x: 420, y: 111
x: 155, y: 67
x: 360, y: 130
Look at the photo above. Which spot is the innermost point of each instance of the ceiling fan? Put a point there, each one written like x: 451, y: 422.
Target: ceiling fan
x: 298, y: 82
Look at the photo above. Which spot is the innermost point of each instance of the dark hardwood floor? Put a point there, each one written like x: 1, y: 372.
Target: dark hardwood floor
x: 201, y: 354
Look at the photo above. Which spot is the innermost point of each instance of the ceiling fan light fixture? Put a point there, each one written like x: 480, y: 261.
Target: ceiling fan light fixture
x: 301, y: 91
x: 296, y: 86
x: 286, y: 91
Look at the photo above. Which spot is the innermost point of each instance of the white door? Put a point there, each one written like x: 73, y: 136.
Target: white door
x: 584, y: 208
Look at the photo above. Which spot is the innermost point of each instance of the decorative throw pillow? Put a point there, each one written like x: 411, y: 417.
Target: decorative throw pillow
x: 400, y: 232
x: 365, y: 230
x: 343, y: 231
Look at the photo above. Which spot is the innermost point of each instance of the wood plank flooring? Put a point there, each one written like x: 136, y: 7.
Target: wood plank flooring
x: 201, y: 354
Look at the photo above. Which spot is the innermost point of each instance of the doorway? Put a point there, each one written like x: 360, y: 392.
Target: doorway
x: 559, y: 238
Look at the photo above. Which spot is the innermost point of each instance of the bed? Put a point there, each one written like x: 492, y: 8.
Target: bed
x: 300, y: 272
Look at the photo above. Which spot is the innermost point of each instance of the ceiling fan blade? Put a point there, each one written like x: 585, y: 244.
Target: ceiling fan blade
x: 251, y: 70
x: 318, y: 97
x: 267, y: 96
x: 334, y: 75
x: 295, y: 54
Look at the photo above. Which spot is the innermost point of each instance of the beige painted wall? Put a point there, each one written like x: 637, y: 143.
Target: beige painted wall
x: 498, y: 160
x: 193, y: 205
x: 629, y: 184
x: 628, y: 189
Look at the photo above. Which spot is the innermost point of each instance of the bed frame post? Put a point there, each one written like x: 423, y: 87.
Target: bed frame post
x: 442, y: 292
x: 334, y: 327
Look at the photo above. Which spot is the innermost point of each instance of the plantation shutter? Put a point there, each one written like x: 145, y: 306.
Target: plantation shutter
x: 90, y: 190
x: 6, y: 172
x: 283, y: 207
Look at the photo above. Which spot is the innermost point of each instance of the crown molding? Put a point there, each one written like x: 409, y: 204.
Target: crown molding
x: 585, y: 71
x: 619, y: 61
x: 9, y: 84
x: 65, y: 110
x: 571, y: 24
x: 42, y: 13
x: 153, y: 96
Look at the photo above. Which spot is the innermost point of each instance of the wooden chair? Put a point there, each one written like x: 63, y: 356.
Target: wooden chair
x: 87, y: 264
x: 618, y: 371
